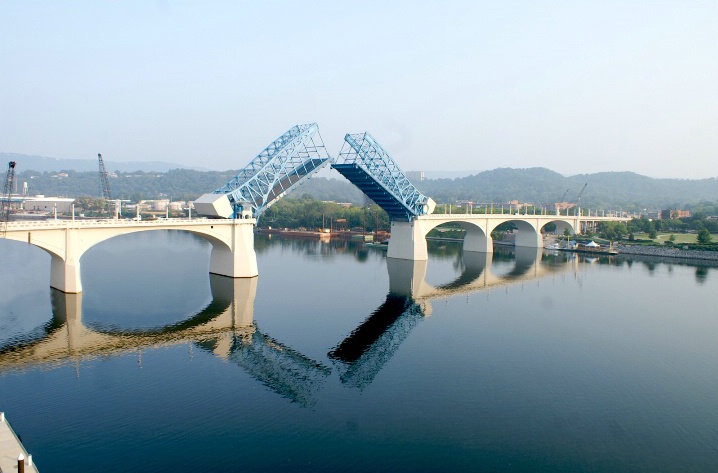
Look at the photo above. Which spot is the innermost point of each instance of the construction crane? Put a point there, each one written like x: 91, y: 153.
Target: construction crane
x: 578, y: 198
x: 560, y: 199
x: 105, y: 185
x: 7, y: 192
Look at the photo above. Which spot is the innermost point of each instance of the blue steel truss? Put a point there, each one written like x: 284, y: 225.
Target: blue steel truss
x: 281, y: 167
x: 369, y: 167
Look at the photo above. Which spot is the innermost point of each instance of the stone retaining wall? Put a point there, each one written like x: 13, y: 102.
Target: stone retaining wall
x: 666, y: 252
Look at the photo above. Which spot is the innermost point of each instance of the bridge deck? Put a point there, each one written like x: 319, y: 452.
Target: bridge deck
x: 116, y: 223
x: 367, y: 184
x: 515, y: 216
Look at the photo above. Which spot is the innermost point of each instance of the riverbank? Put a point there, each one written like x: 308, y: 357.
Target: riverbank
x: 637, y: 250
x: 666, y: 252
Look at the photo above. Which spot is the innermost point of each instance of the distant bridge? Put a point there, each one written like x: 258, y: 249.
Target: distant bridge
x: 408, y: 239
x: 370, y: 167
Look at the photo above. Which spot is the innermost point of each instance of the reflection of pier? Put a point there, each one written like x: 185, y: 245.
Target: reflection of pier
x: 370, y: 346
x: 409, y: 277
x: 225, y: 327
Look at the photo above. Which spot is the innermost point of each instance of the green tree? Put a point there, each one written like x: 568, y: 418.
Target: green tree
x: 704, y: 236
x: 652, y: 233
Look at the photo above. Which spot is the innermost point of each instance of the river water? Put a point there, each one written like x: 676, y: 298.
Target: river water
x: 338, y: 359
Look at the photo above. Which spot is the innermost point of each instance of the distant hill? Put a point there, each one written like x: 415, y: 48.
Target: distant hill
x: 415, y: 175
x: 540, y: 186
x: 45, y: 164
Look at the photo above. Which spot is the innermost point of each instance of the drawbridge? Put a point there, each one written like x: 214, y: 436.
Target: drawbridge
x: 281, y: 167
x: 300, y: 152
x: 368, y: 166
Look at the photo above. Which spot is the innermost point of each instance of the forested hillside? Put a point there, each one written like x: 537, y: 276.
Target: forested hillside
x: 609, y: 190
x: 604, y: 190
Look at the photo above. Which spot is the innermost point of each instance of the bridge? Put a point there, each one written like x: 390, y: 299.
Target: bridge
x: 408, y: 239
x: 281, y: 167
x: 368, y: 166
x: 66, y: 241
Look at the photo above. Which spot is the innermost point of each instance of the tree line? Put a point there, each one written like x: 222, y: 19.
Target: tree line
x: 609, y: 191
x: 699, y: 224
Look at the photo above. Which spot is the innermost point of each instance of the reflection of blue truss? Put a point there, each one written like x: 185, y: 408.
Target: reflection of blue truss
x: 278, y: 169
x: 370, y: 346
x: 369, y: 167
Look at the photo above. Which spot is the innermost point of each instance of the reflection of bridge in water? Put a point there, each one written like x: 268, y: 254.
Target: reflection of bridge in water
x: 371, y: 345
x: 225, y: 328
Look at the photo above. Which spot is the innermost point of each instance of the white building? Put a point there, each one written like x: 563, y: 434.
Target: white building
x: 41, y: 203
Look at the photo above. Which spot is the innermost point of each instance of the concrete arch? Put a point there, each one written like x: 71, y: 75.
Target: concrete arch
x: 408, y: 239
x: 232, y: 243
x: 476, y: 238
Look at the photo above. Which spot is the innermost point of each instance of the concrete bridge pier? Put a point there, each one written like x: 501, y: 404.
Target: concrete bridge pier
x: 528, y: 236
x: 65, y: 274
x: 475, y: 240
x: 408, y: 241
x: 238, y: 260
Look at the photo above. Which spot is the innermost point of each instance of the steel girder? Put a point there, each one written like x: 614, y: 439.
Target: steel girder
x: 368, y: 166
x: 282, y: 166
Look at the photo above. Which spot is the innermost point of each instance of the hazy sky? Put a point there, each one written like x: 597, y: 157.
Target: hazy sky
x: 575, y: 86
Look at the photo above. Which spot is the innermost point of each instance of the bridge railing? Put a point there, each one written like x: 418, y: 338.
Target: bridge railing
x: 21, y: 224
x: 584, y: 214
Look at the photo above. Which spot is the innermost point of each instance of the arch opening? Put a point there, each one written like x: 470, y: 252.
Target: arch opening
x: 474, y: 237
x: 559, y: 227
x: 524, y: 235
x: 167, y: 270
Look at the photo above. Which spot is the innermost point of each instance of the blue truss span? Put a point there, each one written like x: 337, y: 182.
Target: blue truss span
x: 369, y: 167
x: 281, y: 167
